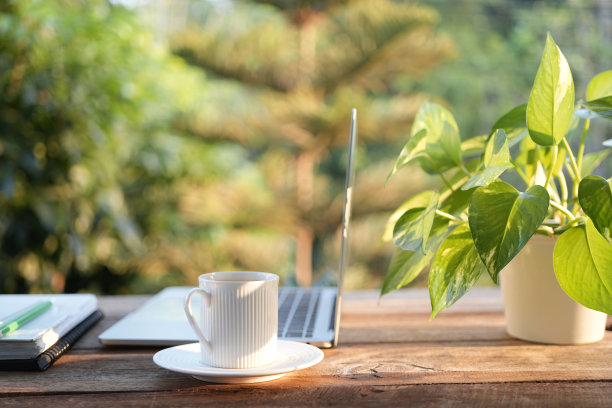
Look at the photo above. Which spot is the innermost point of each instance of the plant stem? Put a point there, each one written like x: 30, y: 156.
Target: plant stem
x: 454, y: 187
x: 553, y: 195
x: 570, y: 224
x: 553, y: 161
x: 573, y: 161
x: 544, y: 230
x: 551, y: 223
x: 562, y: 209
x: 449, y: 216
x: 445, y: 180
x: 587, y: 124
x: 575, y: 221
x: 535, y: 159
x: 571, y: 202
x: 521, y: 174
x: 563, y: 185
x: 466, y: 171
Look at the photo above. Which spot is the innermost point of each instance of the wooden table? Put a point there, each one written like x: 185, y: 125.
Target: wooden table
x: 390, y: 355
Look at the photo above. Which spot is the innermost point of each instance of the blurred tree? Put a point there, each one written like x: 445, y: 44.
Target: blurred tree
x: 88, y: 160
x: 287, y: 74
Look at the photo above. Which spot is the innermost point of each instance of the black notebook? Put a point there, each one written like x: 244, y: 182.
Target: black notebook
x: 49, y: 356
x: 34, y: 337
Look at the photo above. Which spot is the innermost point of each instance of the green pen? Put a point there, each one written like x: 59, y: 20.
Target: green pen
x: 23, y: 316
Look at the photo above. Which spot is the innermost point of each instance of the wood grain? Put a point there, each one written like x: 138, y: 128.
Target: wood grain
x: 536, y: 395
x: 390, y: 354
x: 387, y: 363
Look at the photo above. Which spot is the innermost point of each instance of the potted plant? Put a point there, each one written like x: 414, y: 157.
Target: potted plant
x: 479, y: 222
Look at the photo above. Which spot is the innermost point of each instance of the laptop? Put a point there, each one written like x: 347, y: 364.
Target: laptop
x: 309, y: 315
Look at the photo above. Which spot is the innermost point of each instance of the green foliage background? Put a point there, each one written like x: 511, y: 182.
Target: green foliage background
x: 124, y: 168
x: 89, y: 160
x: 289, y: 73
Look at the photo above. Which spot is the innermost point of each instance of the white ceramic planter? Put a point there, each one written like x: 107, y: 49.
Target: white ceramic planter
x: 536, y: 308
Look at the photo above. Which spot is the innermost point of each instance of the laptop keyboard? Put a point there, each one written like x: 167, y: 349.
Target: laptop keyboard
x: 297, y: 313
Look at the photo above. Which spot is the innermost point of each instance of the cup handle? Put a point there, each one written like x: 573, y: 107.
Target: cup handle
x: 190, y: 318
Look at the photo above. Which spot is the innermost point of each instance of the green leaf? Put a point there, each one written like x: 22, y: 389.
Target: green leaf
x: 602, y: 106
x: 595, y: 196
x: 599, y: 86
x: 526, y: 158
x: 405, y: 266
x: 486, y: 176
x: 414, y: 148
x: 450, y: 141
x: 443, y: 143
x: 514, y: 123
x: 496, y: 150
x: 419, y: 200
x: 454, y: 270
x: 502, y: 219
x: 473, y: 145
x: 583, y: 264
x: 456, y: 202
x: 458, y: 178
x: 592, y: 160
x: 551, y: 102
x: 496, y: 161
x: 412, y: 229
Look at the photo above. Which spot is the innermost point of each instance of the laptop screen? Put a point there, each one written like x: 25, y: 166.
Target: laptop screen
x: 346, y: 217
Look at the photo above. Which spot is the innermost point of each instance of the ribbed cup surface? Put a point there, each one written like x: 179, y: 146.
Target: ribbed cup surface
x: 241, y: 323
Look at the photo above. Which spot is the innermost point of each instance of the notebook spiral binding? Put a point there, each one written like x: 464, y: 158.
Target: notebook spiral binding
x: 49, y: 356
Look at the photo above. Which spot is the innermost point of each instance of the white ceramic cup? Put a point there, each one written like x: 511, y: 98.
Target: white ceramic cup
x: 239, y: 318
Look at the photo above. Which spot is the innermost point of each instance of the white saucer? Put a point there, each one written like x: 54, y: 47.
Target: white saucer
x: 291, y: 356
